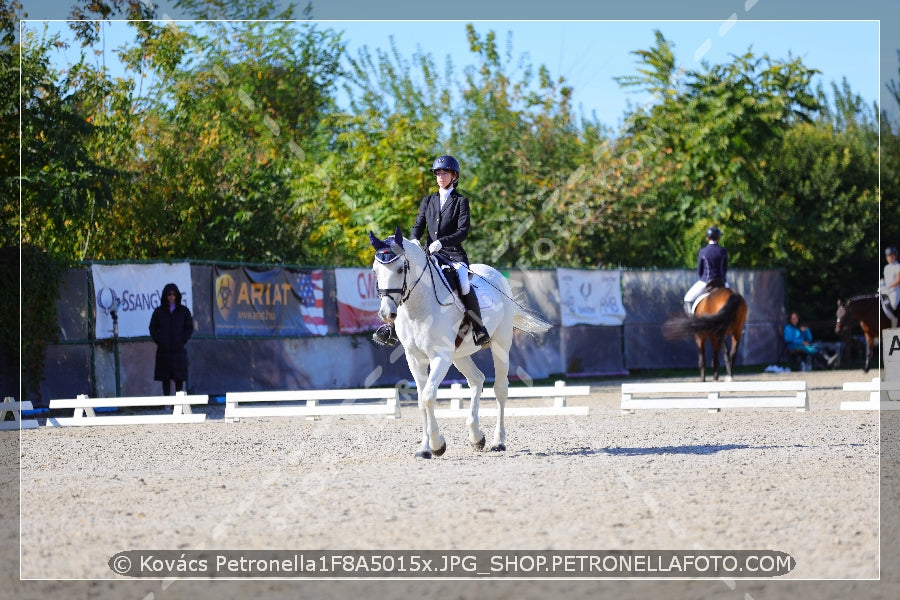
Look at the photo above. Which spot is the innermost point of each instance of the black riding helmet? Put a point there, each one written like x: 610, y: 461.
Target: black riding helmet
x: 713, y: 233
x: 446, y: 162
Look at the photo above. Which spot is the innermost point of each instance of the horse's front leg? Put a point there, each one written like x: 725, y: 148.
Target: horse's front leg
x: 432, y: 440
x: 870, y: 351
x: 418, y: 366
x: 475, y: 379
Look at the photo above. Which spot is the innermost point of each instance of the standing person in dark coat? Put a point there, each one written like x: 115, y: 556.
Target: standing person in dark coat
x: 712, y: 268
x: 171, y: 326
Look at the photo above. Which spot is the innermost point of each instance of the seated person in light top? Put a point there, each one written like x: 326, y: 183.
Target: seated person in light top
x: 798, y: 338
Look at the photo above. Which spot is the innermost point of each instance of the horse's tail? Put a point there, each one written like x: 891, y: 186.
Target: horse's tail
x: 529, y: 321
x: 717, y: 325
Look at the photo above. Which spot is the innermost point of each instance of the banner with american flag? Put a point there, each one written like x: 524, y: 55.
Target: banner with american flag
x: 308, y: 285
x: 270, y: 302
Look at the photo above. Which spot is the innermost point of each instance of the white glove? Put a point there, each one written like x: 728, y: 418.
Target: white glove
x: 435, y: 246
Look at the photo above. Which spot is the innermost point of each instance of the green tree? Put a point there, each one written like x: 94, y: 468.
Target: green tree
x: 382, y: 148
x: 223, y: 142
x: 520, y: 147
x: 695, y: 155
x: 890, y: 170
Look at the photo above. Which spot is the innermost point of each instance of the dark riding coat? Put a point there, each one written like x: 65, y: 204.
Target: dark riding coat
x: 171, y: 330
x: 712, y: 263
x: 450, y: 225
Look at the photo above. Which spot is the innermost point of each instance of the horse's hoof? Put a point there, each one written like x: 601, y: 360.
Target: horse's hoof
x: 440, y: 451
x: 423, y: 454
x: 479, y: 445
x: 498, y: 448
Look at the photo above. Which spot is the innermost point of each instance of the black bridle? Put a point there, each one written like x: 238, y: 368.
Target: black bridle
x: 405, y: 291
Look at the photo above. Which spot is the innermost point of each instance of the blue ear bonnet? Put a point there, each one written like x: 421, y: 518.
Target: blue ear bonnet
x: 386, y: 254
x: 386, y: 251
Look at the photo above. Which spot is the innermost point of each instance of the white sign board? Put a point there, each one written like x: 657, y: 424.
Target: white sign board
x: 138, y: 288
x: 890, y: 349
x: 590, y: 297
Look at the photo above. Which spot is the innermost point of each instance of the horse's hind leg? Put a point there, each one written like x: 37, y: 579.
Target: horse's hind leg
x: 716, y: 351
x: 501, y: 390
x: 731, y: 355
x: 475, y: 379
x: 701, y: 359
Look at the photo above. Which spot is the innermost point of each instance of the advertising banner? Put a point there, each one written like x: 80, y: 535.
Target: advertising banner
x: 590, y: 297
x: 132, y: 292
x: 271, y: 302
x: 357, y: 300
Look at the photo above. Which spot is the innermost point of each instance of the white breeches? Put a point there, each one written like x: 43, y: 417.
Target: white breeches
x: 695, y: 291
x: 462, y: 271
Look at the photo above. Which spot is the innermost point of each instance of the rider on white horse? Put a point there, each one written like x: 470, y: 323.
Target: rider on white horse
x: 712, y: 265
x: 446, y: 215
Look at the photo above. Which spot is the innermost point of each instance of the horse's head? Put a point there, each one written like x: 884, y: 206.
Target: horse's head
x: 841, y: 317
x: 395, y: 257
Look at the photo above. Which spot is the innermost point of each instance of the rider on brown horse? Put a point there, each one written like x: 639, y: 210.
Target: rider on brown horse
x: 712, y: 268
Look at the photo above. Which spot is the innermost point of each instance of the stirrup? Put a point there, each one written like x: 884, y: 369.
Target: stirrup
x: 385, y: 336
x: 480, y: 335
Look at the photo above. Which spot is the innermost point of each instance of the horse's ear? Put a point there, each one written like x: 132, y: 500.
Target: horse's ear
x: 376, y: 243
x: 398, y: 236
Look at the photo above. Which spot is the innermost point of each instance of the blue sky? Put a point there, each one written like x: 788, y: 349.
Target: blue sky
x: 589, y: 54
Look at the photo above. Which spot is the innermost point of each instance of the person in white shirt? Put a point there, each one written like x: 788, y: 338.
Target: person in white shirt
x: 890, y: 284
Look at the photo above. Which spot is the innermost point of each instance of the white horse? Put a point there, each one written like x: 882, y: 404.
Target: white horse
x: 427, y: 316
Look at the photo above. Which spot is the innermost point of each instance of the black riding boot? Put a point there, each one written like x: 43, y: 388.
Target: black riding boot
x: 479, y: 332
x: 385, y: 336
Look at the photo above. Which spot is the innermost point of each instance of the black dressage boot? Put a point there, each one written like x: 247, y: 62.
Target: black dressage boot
x: 479, y: 332
x: 385, y: 336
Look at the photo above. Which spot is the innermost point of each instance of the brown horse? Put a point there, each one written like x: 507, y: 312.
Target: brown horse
x: 718, y: 316
x: 865, y: 309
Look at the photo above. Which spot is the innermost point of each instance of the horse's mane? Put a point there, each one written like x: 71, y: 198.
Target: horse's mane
x: 859, y: 297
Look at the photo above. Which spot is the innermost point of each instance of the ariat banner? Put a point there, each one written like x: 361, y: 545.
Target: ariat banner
x: 131, y: 293
x: 272, y: 302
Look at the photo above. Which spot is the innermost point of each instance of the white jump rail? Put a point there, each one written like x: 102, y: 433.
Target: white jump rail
x: 709, y: 395
x: 878, y: 395
x: 457, y: 394
x: 266, y: 403
x: 9, y: 405
x: 84, y: 410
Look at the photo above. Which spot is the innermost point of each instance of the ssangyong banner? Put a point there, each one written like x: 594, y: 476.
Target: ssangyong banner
x: 357, y: 300
x: 590, y: 297
x: 271, y: 302
x: 132, y: 292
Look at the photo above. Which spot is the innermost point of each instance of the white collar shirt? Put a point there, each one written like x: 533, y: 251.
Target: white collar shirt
x: 444, y: 195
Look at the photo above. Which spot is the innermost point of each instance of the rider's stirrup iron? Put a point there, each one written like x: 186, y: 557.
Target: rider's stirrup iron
x: 385, y: 336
